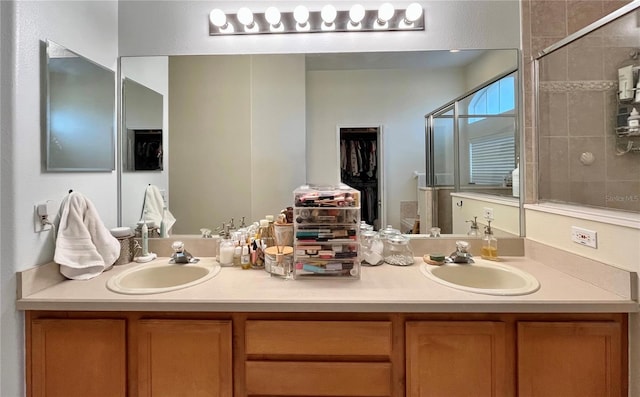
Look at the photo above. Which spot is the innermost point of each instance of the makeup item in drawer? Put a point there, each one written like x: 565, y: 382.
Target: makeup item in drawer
x: 311, y: 233
x: 345, y: 255
x: 326, y: 219
x: 308, y: 250
x: 327, y: 268
x: 326, y: 254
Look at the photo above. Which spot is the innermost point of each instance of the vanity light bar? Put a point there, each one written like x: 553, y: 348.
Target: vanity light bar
x: 328, y: 19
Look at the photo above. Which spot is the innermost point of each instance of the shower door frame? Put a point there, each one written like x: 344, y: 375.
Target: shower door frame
x: 454, y: 105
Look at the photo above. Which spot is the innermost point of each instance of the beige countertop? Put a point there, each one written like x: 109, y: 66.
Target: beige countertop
x: 381, y: 289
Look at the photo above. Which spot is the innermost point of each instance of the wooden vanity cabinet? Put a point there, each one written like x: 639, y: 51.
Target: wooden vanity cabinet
x: 318, y: 358
x: 457, y: 358
x: 570, y: 359
x: 77, y: 357
x: 81, y: 354
x: 190, y: 358
x: 147, y: 354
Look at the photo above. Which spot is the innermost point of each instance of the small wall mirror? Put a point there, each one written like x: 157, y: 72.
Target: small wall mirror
x: 80, y: 112
x: 142, y: 145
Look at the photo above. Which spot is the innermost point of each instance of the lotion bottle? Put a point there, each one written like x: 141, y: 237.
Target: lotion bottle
x: 245, y: 259
x: 489, y: 244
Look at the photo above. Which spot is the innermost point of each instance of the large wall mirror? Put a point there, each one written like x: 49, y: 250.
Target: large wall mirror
x: 243, y: 131
x: 80, y: 112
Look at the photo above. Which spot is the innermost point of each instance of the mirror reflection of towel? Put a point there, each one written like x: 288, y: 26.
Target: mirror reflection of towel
x: 84, y: 246
x: 153, y: 207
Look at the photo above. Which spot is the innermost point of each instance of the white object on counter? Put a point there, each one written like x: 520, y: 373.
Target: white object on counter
x: 145, y: 239
x: 121, y: 231
x: 515, y: 181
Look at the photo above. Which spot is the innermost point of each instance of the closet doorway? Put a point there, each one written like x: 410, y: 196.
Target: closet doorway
x: 362, y: 168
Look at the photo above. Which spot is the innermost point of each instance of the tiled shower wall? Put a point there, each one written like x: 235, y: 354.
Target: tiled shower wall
x: 577, y: 106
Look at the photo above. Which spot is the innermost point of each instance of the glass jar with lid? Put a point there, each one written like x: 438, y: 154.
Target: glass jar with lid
x: 364, y: 226
x: 372, y: 248
x: 398, y: 252
x: 387, y: 231
x: 384, y: 236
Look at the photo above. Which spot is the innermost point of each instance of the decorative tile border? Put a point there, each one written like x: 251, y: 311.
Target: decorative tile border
x: 584, y: 85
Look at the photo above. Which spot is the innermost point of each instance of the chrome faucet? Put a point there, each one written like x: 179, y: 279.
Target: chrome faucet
x: 181, y: 255
x: 461, y: 254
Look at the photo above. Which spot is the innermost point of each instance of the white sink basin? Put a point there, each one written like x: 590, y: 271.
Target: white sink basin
x: 483, y: 277
x: 161, y: 276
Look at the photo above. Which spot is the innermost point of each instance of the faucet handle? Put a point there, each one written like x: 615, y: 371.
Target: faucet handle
x: 461, y: 255
x: 462, y: 246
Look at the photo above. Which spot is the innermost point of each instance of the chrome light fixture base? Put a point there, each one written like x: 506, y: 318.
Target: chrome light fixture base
x: 315, y: 24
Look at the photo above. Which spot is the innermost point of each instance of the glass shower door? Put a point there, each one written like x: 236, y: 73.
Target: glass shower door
x: 440, y: 172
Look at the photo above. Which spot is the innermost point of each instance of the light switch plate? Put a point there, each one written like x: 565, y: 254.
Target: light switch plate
x: 585, y: 237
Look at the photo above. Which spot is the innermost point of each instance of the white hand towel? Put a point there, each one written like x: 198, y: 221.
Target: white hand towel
x: 84, y: 246
x: 153, y: 208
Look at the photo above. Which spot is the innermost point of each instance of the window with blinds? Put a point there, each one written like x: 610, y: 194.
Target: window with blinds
x: 491, y: 159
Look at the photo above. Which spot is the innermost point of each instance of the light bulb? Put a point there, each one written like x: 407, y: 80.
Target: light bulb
x: 301, y: 15
x: 413, y: 12
x: 245, y: 17
x: 328, y: 14
x: 272, y: 15
x: 385, y: 13
x: 356, y: 14
x: 218, y: 17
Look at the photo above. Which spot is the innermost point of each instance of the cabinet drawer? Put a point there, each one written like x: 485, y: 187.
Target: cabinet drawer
x: 317, y: 379
x: 319, y: 338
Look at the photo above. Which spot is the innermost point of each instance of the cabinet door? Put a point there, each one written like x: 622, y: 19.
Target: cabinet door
x: 190, y: 358
x: 78, y: 358
x: 451, y: 358
x: 580, y: 359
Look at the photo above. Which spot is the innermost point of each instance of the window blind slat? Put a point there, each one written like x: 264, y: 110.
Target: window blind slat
x: 492, y: 159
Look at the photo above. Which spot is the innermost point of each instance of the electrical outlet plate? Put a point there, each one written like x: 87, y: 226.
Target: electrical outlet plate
x: 584, y: 237
x: 37, y: 223
x: 488, y: 213
x: 50, y: 209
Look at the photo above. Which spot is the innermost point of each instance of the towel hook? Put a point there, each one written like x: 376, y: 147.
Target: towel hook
x: 70, y: 190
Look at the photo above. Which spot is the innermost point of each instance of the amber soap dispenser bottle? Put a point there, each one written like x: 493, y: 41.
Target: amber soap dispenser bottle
x: 489, y: 244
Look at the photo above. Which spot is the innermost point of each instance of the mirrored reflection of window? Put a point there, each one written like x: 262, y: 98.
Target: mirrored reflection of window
x: 487, y: 135
x: 491, y: 158
x: 496, y: 98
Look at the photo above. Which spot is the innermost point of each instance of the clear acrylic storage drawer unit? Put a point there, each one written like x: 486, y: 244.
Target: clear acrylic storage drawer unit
x: 326, y: 224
